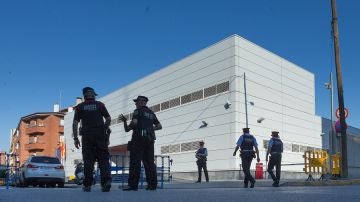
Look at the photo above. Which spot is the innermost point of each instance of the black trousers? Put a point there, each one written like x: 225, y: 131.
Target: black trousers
x: 275, y: 161
x: 246, y: 163
x: 201, y: 164
x: 142, y: 149
x: 95, y: 147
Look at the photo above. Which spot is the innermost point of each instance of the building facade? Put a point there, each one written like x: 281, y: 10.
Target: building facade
x: 37, y: 134
x: 202, y: 97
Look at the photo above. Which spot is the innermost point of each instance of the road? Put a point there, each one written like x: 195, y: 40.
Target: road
x: 268, y: 194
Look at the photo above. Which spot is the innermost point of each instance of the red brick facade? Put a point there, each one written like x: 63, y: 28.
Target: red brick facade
x: 37, y: 134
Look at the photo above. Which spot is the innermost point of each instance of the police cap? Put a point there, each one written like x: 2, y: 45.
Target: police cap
x: 140, y: 97
x: 88, y: 89
x: 275, y: 133
x: 246, y: 130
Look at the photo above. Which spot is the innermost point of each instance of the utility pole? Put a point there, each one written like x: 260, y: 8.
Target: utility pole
x: 344, y: 161
x: 332, y: 134
x: 246, y: 112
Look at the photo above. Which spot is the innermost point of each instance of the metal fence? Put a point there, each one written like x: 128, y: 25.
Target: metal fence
x: 120, y: 169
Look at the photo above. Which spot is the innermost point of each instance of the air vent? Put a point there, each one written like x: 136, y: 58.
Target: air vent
x: 303, y: 148
x: 164, y: 149
x: 165, y: 105
x: 197, y: 95
x: 185, y: 99
x: 189, y: 146
x: 175, y: 102
x: 210, y: 91
x: 174, y: 148
x: 287, y: 147
x: 222, y: 87
x: 155, y: 108
x: 295, y: 148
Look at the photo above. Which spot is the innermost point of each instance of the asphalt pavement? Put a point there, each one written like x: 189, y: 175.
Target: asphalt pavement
x: 189, y: 191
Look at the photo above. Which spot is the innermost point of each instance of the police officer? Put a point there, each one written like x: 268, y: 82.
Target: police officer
x: 201, y: 156
x: 275, y: 148
x: 95, y: 138
x: 247, y: 142
x: 143, y: 124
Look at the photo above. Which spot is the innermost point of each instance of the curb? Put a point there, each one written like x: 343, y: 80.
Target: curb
x: 323, y: 183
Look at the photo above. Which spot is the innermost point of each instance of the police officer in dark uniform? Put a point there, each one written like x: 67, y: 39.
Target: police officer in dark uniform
x: 275, y: 148
x: 143, y: 124
x: 95, y: 138
x: 247, y: 142
x: 201, y: 156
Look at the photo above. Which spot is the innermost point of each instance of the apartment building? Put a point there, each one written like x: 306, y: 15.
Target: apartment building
x: 39, y: 133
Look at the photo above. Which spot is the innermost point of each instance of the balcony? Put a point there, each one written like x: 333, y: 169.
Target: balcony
x: 61, y: 129
x: 35, y: 129
x: 35, y: 146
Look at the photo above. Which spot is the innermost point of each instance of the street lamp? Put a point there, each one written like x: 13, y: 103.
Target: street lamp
x: 332, y: 140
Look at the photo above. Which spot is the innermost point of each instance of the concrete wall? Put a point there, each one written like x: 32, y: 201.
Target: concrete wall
x: 353, y: 146
x: 283, y: 94
x: 353, y: 142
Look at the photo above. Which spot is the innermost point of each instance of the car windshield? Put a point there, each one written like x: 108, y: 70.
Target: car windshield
x: 44, y: 159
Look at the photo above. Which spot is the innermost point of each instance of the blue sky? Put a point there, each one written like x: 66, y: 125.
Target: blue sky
x: 50, y: 46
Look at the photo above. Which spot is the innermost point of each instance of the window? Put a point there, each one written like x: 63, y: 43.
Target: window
x: 61, y: 122
x: 42, y: 159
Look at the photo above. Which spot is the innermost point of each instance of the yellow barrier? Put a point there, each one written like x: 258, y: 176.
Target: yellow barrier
x: 316, y: 162
x: 335, y: 164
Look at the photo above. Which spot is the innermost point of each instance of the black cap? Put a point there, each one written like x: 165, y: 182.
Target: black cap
x: 246, y: 130
x: 275, y: 133
x: 140, y: 97
x: 88, y: 89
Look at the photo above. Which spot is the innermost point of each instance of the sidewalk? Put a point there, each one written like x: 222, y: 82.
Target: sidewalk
x: 184, y: 184
x: 259, y: 183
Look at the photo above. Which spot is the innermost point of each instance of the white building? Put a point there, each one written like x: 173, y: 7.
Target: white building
x: 280, y: 96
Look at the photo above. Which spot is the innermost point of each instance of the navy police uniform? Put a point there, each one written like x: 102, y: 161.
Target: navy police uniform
x: 201, y: 155
x: 275, y: 149
x: 142, y: 148
x: 246, y: 143
x: 94, y: 140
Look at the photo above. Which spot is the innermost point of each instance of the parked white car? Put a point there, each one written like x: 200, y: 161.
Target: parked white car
x: 42, y: 170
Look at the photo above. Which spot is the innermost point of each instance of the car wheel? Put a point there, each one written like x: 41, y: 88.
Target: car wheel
x: 61, y: 185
